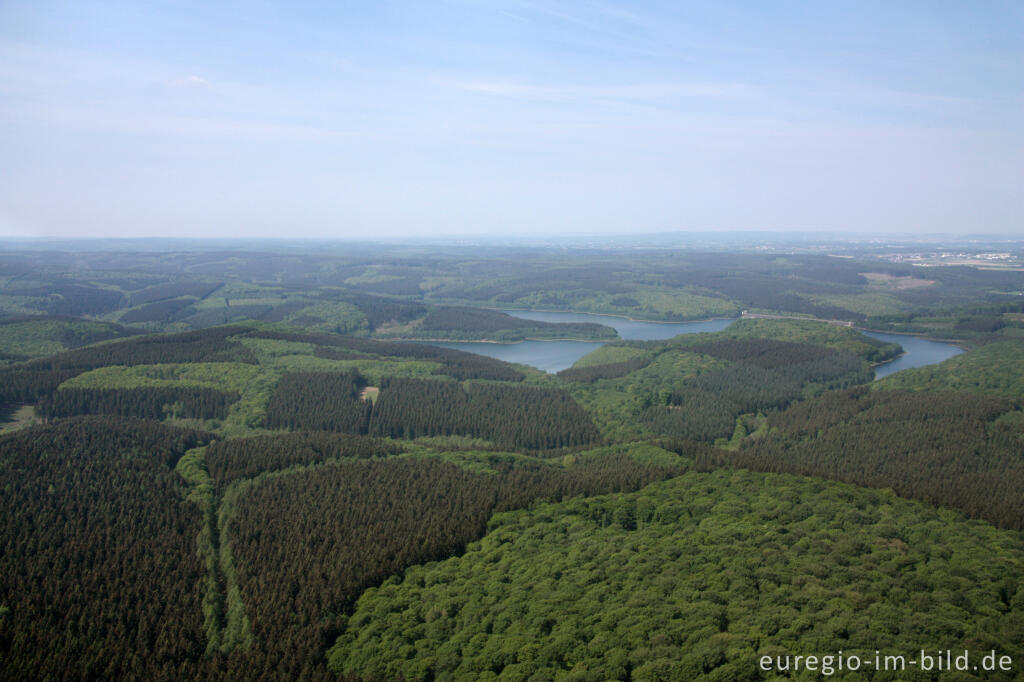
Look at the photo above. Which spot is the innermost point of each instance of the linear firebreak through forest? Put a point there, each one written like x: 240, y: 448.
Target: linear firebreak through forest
x: 282, y: 510
x: 308, y: 555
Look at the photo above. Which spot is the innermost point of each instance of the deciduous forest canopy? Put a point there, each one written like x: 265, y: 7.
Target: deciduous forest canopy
x: 251, y: 464
x: 521, y: 341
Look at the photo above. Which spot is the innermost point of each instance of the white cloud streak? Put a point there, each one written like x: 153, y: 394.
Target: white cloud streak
x: 636, y: 92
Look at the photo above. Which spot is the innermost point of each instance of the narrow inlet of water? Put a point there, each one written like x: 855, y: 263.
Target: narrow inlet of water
x: 554, y: 356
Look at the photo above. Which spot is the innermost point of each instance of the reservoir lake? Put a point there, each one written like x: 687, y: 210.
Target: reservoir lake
x: 554, y: 356
x: 917, y: 352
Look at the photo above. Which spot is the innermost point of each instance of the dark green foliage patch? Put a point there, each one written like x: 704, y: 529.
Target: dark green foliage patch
x: 694, y: 579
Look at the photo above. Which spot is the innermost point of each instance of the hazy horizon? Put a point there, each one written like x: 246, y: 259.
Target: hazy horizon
x: 465, y: 119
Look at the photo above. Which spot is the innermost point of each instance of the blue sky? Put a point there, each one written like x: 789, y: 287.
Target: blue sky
x: 362, y: 119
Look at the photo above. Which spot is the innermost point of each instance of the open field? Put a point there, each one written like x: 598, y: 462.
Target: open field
x: 322, y: 500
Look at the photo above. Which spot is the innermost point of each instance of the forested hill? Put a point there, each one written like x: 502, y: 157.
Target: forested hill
x: 24, y: 337
x: 290, y: 529
x: 246, y: 379
x: 241, y: 379
x: 473, y: 323
x: 269, y: 499
x: 996, y: 368
x: 88, y: 590
x: 695, y: 578
x: 956, y: 450
x: 700, y: 386
x: 440, y: 294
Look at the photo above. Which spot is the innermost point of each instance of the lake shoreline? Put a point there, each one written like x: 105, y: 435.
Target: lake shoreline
x: 894, y: 365
x: 554, y: 357
x: 962, y: 345
x: 624, y: 317
x: 502, y: 343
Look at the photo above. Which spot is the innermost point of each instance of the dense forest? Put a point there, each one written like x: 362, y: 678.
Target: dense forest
x: 227, y: 465
x: 695, y: 579
x: 148, y: 403
x: 764, y: 374
x: 612, y: 370
x: 34, y: 379
x: 420, y: 292
x: 308, y: 544
x: 996, y: 368
x: 697, y: 386
x: 99, y: 575
x: 320, y: 402
x: 363, y: 513
x: 30, y: 336
x: 950, y: 449
x: 229, y: 460
x: 460, y: 322
x: 515, y: 417
x: 455, y: 363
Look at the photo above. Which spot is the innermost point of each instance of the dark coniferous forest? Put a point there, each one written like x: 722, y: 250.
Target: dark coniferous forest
x: 245, y: 466
x: 100, y: 575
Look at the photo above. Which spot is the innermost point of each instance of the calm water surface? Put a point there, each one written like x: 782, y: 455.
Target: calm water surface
x: 629, y: 329
x: 918, y: 352
x: 554, y: 356
x: 550, y: 356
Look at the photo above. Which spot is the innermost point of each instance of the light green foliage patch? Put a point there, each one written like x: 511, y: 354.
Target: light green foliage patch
x: 669, y: 369
x: 14, y: 418
x: 32, y: 338
x: 643, y: 452
x: 257, y: 300
x: 223, y: 376
x: 431, y: 282
x: 242, y: 293
x: 795, y: 331
x: 268, y: 351
x: 236, y: 632
x: 614, y: 412
x: 866, y: 304
x: 485, y: 461
x: 994, y: 369
x: 249, y: 412
x: 693, y: 578
x: 192, y: 468
x: 253, y: 383
x: 17, y: 305
x: 373, y: 370
x: 681, y: 304
x: 654, y: 303
x: 447, y: 443
x: 294, y: 356
x: 614, y: 404
x: 610, y: 354
x: 1014, y: 418
x: 747, y: 425
x: 21, y: 283
x: 337, y: 318
x: 371, y: 275
x: 888, y: 282
x: 938, y: 327
x: 38, y: 338
x: 476, y: 461
x: 1012, y: 332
